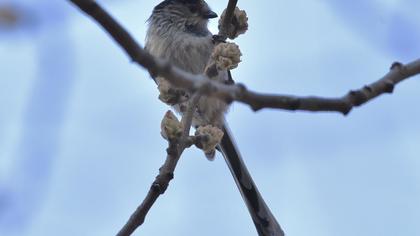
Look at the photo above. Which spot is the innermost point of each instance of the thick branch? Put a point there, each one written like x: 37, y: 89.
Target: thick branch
x: 238, y: 92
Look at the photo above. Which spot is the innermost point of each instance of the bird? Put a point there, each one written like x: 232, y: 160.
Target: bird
x: 178, y: 32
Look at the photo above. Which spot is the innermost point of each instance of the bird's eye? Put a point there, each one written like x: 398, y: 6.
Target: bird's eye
x: 194, y: 8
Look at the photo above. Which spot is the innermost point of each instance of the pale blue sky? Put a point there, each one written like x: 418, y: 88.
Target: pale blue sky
x: 79, y: 125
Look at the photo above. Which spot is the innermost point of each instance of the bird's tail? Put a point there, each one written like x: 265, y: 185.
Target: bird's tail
x: 265, y: 222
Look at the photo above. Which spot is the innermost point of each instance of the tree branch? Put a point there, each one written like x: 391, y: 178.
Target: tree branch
x: 187, y: 116
x: 159, y: 186
x: 166, y: 172
x: 345, y: 104
x: 238, y: 92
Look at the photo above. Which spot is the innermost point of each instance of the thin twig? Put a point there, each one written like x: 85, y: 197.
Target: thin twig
x: 227, y: 20
x: 187, y: 116
x: 166, y: 172
x: 345, y: 104
x: 159, y: 186
x: 238, y: 92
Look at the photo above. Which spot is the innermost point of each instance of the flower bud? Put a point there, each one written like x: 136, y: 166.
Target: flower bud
x: 214, y: 136
x: 226, y: 56
x: 171, y: 128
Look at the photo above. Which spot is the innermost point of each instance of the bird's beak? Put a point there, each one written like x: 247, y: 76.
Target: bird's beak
x: 210, y: 14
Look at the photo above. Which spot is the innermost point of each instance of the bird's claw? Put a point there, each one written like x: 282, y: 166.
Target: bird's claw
x: 218, y: 39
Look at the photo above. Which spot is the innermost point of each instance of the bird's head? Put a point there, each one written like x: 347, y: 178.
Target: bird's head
x: 188, y: 15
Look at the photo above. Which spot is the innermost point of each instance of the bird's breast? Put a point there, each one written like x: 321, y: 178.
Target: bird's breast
x: 189, y: 52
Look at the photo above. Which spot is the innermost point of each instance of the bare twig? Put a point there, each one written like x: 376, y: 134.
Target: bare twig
x: 345, y: 104
x: 238, y: 92
x: 166, y: 172
x: 187, y: 116
x: 159, y: 186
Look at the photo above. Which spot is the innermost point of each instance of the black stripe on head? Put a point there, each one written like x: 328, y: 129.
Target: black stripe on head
x: 164, y: 4
x: 189, y: 1
x: 170, y: 2
x: 189, y: 8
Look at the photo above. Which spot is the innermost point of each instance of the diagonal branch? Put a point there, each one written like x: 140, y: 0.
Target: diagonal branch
x: 159, y: 186
x: 166, y: 171
x: 238, y: 92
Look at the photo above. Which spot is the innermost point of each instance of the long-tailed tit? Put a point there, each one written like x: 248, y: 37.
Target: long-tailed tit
x: 178, y: 32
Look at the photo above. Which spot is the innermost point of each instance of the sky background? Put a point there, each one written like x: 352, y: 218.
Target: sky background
x: 80, y: 136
